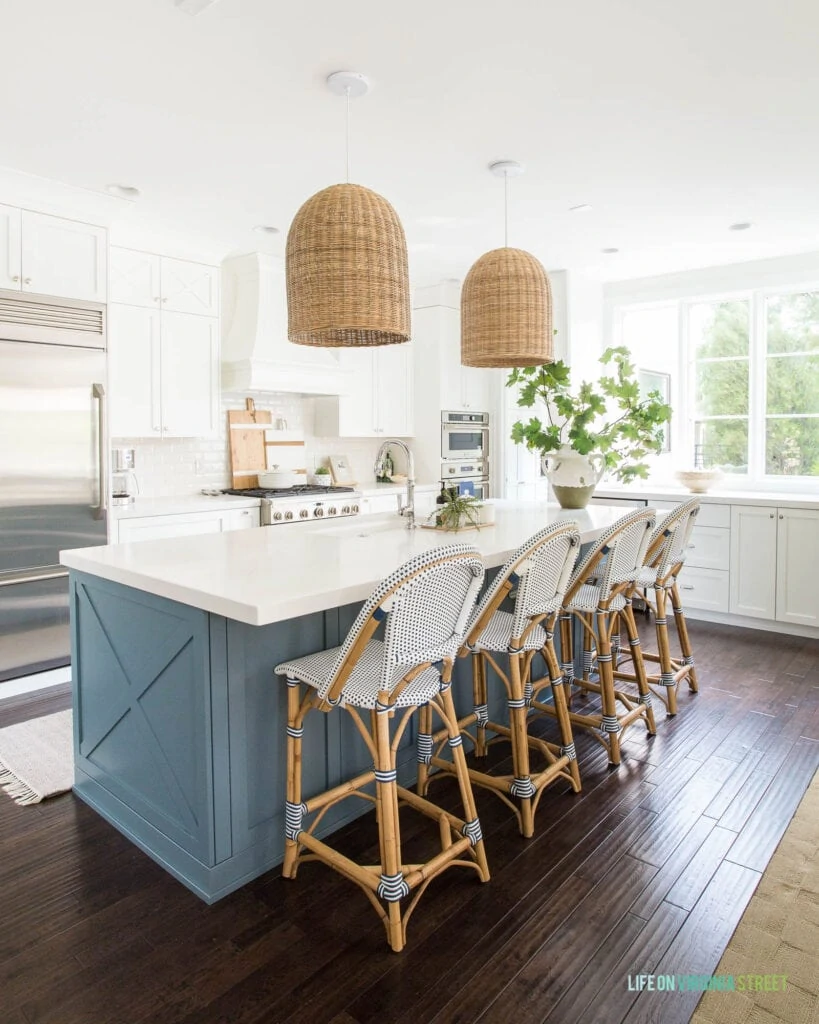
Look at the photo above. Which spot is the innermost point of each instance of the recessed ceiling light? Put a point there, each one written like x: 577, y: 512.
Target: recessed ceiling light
x: 743, y: 225
x: 123, y: 191
x: 582, y: 208
x: 609, y: 252
x: 266, y: 229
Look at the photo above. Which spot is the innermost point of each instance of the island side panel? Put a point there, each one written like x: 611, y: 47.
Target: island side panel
x: 142, y: 719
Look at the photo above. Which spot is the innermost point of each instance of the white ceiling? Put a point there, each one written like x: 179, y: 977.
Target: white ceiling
x: 672, y: 119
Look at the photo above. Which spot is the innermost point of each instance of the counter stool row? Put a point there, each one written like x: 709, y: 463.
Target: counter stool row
x: 429, y: 615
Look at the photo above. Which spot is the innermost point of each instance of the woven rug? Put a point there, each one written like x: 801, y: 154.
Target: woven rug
x: 37, y: 758
x: 778, y: 934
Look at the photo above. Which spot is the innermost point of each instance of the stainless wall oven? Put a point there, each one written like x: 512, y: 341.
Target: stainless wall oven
x: 464, y: 435
x: 469, y: 476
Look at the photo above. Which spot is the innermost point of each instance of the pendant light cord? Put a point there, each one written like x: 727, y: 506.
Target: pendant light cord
x: 506, y: 209
x: 347, y: 133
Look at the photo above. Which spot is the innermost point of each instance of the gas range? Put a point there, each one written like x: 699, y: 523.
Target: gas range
x: 302, y: 504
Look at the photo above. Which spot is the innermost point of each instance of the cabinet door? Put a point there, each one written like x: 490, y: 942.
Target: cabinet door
x: 357, y: 409
x: 393, y: 389
x: 161, y: 527
x: 753, y: 561
x: 797, y: 597
x: 704, y: 588
x: 189, y: 287
x: 475, y: 388
x: 709, y: 548
x: 10, y: 270
x: 190, y: 375
x: 133, y: 371
x: 63, y: 257
x: 240, y: 519
x: 133, y: 277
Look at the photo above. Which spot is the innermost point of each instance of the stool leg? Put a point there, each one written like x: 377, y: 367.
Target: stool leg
x: 567, y: 654
x: 293, y: 811
x: 664, y: 650
x: 479, y: 700
x: 685, y: 643
x: 522, y: 786
x: 465, y: 786
x: 588, y: 645
x: 392, y: 886
x: 562, y: 712
x: 424, y: 745
x: 639, y: 666
x: 609, y: 723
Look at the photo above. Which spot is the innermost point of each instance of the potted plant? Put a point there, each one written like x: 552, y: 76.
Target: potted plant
x: 607, y: 426
x: 321, y: 476
x: 458, y: 511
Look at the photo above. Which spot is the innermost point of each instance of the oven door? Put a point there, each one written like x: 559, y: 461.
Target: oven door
x: 475, y: 487
x: 464, y: 442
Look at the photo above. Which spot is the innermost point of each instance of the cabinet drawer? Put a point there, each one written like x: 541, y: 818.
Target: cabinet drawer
x: 710, y: 548
x: 704, y: 588
x: 711, y: 514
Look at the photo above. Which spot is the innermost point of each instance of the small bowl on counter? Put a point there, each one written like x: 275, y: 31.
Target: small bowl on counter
x: 280, y: 478
x: 699, y: 481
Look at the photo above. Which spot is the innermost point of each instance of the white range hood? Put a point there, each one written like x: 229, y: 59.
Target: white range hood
x: 256, y: 355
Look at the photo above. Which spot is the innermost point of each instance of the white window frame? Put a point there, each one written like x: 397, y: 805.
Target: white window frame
x: 683, y: 389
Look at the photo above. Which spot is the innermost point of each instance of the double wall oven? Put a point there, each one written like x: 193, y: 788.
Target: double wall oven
x: 465, y: 452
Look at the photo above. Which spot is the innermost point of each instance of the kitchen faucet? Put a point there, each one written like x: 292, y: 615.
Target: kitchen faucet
x: 407, y: 510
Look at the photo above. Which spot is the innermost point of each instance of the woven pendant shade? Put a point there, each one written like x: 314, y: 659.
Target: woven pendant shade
x: 346, y: 268
x: 506, y: 311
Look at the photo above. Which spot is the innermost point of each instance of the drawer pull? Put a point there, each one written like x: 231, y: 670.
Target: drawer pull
x: 687, y: 586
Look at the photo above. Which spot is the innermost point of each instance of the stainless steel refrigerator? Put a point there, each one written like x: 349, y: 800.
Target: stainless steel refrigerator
x: 53, y: 492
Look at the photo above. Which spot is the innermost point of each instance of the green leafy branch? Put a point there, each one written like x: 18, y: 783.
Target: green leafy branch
x: 610, y: 417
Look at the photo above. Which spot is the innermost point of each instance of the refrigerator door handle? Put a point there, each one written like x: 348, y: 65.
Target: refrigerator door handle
x: 57, y: 574
x: 98, y: 391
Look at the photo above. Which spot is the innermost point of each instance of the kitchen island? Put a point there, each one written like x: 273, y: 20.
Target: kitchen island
x: 179, y: 722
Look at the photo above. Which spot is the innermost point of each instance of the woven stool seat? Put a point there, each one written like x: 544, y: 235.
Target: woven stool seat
x: 587, y: 599
x: 497, y: 635
x: 364, y: 683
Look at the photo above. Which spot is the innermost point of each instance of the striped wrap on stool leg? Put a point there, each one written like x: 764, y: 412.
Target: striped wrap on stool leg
x: 424, y: 747
x: 610, y: 723
x: 392, y: 888
x: 522, y: 787
x: 294, y: 819
x: 472, y: 831
x: 481, y: 712
x: 569, y: 752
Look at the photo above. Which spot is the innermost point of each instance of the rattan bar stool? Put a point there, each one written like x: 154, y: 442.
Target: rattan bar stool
x: 665, y: 559
x: 426, y: 605
x: 539, y: 572
x: 612, y: 564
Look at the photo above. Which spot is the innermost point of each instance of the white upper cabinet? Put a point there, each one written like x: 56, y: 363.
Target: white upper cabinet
x: 177, y: 286
x: 63, y: 257
x: 190, y: 375
x: 133, y: 277
x: 134, y: 371
x: 797, y: 598
x: 189, y: 287
x: 11, y: 272
x: 379, y: 397
x: 753, y: 561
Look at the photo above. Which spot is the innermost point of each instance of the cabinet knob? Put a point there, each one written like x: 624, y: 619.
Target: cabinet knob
x: 155, y: 429
x: 772, y: 516
x: 26, y: 280
x: 156, y: 298
x: 781, y: 516
x: 164, y: 300
x: 16, y: 278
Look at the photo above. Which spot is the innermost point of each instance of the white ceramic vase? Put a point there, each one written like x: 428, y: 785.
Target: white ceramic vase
x: 573, y: 476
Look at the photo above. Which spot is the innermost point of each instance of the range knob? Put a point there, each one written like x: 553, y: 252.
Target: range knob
x: 345, y: 510
x: 318, y: 512
x: 288, y: 516
x: 332, y: 511
x: 354, y: 509
x: 303, y: 514
x: 277, y: 517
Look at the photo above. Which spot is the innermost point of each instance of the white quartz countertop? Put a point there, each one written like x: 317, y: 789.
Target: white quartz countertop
x: 177, y: 506
x: 786, y: 499
x: 280, y: 572
x: 373, y: 490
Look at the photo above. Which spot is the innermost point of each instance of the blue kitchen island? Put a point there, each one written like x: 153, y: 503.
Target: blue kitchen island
x: 179, y: 723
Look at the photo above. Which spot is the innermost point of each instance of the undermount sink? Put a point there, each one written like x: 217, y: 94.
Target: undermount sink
x: 359, y: 527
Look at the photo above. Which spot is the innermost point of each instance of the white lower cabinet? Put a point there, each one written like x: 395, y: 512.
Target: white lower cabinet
x: 704, y: 588
x: 797, y: 556
x: 185, y: 524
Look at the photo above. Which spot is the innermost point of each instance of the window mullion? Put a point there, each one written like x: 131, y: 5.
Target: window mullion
x: 757, y: 379
x: 686, y: 413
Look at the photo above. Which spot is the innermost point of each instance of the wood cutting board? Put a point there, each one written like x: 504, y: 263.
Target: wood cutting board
x: 250, y: 434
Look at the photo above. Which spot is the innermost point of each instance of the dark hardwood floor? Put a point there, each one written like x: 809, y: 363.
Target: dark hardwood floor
x: 648, y: 870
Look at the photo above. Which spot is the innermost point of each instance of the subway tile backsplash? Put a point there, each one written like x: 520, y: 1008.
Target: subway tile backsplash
x: 178, y: 466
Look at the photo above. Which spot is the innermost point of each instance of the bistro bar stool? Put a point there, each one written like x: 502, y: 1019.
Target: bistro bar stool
x: 612, y: 563
x: 538, y: 571
x: 664, y: 561
x: 426, y: 605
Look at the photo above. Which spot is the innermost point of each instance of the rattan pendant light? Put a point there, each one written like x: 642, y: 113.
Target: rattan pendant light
x: 346, y: 260
x: 506, y: 302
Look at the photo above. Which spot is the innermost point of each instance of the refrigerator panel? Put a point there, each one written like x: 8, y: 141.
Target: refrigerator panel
x: 34, y: 632
x: 52, y: 488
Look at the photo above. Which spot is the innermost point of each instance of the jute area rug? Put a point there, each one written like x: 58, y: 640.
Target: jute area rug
x: 777, y: 935
x: 37, y: 758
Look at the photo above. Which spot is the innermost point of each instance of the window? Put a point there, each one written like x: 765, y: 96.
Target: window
x: 746, y: 398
